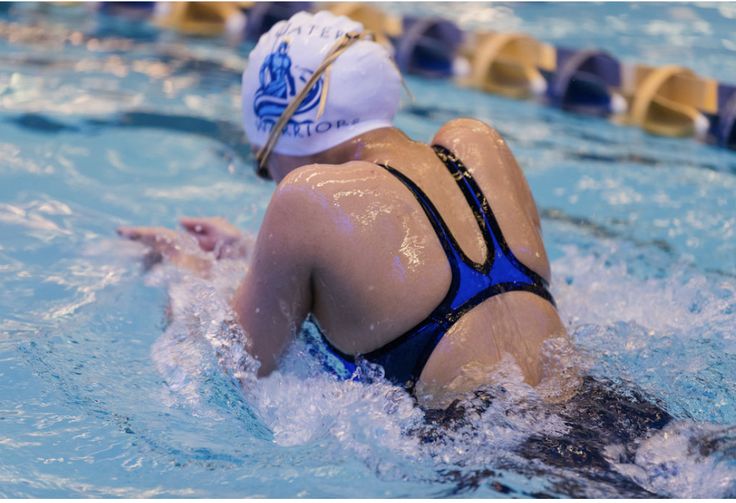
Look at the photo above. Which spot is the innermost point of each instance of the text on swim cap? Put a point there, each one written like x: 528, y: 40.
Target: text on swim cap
x: 325, y: 32
x: 307, y: 128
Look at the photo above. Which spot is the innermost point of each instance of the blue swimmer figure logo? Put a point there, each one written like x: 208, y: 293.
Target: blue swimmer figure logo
x: 278, y: 86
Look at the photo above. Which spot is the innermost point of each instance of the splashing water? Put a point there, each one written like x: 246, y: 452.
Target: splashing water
x: 380, y: 426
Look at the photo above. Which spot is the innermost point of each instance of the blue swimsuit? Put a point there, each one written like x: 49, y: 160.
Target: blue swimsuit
x: 403, y: 359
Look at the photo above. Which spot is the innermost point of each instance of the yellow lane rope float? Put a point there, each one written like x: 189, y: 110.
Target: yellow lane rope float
x: 509, y: 64
x: 670, y: 100
x: 382, y: 25
x: 204, y: 19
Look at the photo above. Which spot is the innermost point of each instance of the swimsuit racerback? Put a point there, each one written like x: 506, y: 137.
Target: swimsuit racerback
x: 404, y: 358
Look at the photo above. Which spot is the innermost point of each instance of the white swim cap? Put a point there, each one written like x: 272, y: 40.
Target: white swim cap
x: 363, y: 85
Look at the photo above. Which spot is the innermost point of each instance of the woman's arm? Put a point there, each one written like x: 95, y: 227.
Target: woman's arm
x: 275, y: 296
x: 217, y: 235
x: 168, y: 244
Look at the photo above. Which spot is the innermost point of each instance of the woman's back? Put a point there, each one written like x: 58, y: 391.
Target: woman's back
x: 381, y: 269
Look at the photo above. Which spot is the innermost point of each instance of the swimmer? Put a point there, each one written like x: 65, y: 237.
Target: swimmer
x: 426, y: 259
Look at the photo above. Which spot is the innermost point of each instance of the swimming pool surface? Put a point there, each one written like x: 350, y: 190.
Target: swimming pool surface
x: 104, y: 123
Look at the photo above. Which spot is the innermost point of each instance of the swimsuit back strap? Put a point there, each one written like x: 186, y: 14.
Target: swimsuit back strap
x: 473, y: 195
x: 491, y: 230
x: 404, y: 358
x: 449, y: 244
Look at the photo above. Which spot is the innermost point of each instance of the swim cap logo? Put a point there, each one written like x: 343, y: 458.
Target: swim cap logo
x: 277, y: 87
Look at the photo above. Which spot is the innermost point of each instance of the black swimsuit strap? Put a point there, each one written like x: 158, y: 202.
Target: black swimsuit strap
x: 483, y: 214
x: 441, y: 229
x: 475, y: 199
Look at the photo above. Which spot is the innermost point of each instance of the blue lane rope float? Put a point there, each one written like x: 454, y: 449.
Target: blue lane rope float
x: 585, y: 82
x: 667, y: 100
x: 428, y: 47
x: 726, y: 119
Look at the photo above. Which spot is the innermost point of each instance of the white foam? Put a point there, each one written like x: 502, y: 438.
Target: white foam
x: 600, y: 290
x: 676, y: 461
x: 618, y: 320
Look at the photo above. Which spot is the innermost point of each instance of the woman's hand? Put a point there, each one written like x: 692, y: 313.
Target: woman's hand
x: 167, y: 244
x: 216, y: 235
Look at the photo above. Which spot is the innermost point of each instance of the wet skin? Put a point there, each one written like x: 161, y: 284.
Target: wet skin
x: 346, y: 241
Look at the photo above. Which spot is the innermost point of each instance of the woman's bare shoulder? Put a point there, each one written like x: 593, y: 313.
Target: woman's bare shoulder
x: 465, y: 126
x: 318, y: 190
x: 314, y: 175
x: 477, y: 144
x: 467, y: 136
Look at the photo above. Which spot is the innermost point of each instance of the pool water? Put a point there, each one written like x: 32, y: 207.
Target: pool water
x: 118, y: 382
